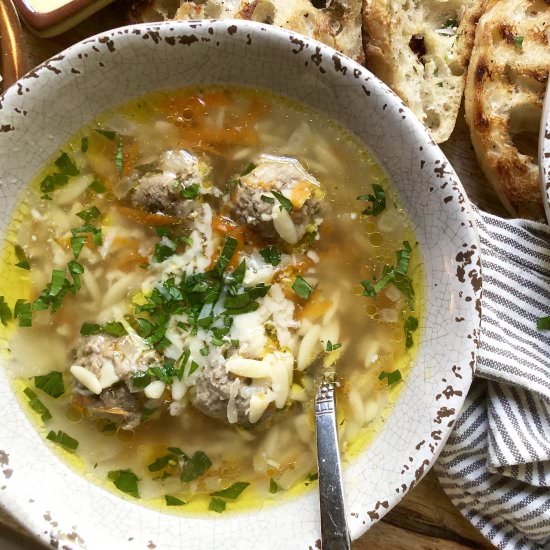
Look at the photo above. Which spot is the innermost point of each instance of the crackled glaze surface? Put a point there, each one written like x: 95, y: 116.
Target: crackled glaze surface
x: 62, y: 507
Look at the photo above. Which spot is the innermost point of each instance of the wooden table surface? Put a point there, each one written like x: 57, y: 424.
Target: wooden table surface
x: 425, y: 519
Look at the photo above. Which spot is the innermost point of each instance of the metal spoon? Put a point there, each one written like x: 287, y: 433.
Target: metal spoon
x: 334, y: 528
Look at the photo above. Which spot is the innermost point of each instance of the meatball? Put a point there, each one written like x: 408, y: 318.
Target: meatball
x: 171, y: 187
x: 102, y: 369
x: 259, y: 199
x: 224, y: 396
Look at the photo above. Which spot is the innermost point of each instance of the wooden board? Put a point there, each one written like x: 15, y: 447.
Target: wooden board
x: 425, y: 519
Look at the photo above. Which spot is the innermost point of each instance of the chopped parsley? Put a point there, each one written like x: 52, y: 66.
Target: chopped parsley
x: 451, y: 23
x: 84, y: 143
x: 410, y: 325
x: 172, y: 459
x: 5, y: 311
x: 247, y: 169
x: 543, y: 323
x: 397, y: 275
x: 97, y: 186
x: 173, y: 501
x: 233, y: 491
x: 89, y: 214
x: 66, y: 165
x: 302, y: 288
x: 273, y: 486
x: 66, y: 169
x: 22, y: 260
x: 229, y: 247
x: 268, y: 199
x: 195, y: 467
x: 377, y: 198
x: 22, y: 312
x: 271, y: 255
x: 63, y: 439
x: 113, y: 328
x: 283, y: 201
x: 125, y: 481
x: 217, y: 505
x: 37, y: 406
x: 332, y: 347
x: 391, y: 377
x: 109, y: 134
x: 51, y: 383
x: 190, y: 192
x: 119, y: 156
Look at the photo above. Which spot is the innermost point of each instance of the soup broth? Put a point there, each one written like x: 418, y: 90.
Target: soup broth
x: 181, y: 277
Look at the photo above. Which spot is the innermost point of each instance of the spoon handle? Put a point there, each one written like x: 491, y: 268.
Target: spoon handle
x: 334, y: 529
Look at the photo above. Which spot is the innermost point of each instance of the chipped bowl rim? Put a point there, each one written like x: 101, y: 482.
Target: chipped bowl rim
x: 447, y: 355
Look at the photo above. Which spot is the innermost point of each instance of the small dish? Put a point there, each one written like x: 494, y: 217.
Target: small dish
x: 48, y: 18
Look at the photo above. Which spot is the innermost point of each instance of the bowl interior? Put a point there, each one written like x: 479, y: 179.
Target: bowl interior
x: 105, y: 71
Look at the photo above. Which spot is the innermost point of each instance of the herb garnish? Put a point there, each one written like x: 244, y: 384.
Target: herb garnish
x: 190, y: 192
x: 22, y: 260
x: 125, y: 481
x: 302, y: 288
x: 84, y: 144
x: 173, y: 501
x: 543, y: 323
x: 451, y: 23
x: 119, y: 156
x: 51, y: 383
x: 5, y: 311
x: 396, y: 275
x: 195, y: 467
x: 89, y: 214
x: 283, y: 201
x: 232, y: 492
x: 63, y: 439
x: 109, y: 134
x: 37, y: 406
x: 217, y: 505
x: 97, y: 186
x: 410, y: 325
x: 268, y: 199
x: 67, y: 168
x: 247, y: 169
x: 113, y: 328
x: 273, y: 486
x: 271, y: 255
x: 22, y: 312
x: 66, y: 165
x: 392, y: 377
x: 377, y: 198
x: 332, y: 347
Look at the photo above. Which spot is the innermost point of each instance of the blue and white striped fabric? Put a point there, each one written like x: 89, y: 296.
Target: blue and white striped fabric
x: 496, y: 464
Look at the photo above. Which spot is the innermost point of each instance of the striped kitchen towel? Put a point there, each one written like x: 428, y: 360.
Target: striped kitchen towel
x: 495, y: 466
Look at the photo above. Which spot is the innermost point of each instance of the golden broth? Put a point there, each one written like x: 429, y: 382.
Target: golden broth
x: 228, y: 128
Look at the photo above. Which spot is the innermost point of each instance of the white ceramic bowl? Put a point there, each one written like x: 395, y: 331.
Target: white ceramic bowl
x: 45, y: 108
x: 544, y: 154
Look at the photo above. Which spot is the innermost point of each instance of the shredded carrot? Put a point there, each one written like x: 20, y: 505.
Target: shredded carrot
x: 315, y: 308
x: 300, y: 193
x: 146, y: 218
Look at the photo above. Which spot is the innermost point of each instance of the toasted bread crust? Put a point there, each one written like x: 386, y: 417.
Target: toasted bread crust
x: 504, y: 96
x: 337, y: 24
x: 422, y: 52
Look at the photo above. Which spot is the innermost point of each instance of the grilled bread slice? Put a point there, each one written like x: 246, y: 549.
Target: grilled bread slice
x: 504, y: 95
x: 334, y: 22
x: 420, y: 48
